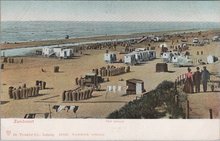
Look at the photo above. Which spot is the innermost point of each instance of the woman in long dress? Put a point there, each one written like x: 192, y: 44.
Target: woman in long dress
x: 188, y: 85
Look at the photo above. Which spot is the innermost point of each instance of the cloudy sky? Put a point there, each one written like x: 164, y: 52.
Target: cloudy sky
x: 110, y: 11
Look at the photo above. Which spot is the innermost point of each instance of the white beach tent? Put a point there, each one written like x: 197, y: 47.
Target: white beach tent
x: 163, y: 45
x: 166, y: 56
x: 140, y: 49
x: 66, y: 53
x: 182, y: 61
x: 130, y: 59
x: 110, y: 57
x: 138, y: 56
x: 151, y: 54
x: 63, y: 52
x: 211, y: 59
x: 216, y: 38
x: 47, y: 51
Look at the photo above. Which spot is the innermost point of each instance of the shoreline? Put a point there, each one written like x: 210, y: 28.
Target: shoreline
x: 29, y: 44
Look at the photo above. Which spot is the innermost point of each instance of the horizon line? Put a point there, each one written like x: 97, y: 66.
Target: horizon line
x: 96, y: 21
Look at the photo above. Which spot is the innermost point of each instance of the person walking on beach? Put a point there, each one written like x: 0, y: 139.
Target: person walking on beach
x: 205, y: 78
x: 188, y: 85
x: 197, y: 80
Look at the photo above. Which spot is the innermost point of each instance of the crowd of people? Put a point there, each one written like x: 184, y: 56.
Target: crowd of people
x: 195, y: 79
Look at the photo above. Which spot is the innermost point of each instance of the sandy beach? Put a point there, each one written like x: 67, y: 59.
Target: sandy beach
x: 98, y: 106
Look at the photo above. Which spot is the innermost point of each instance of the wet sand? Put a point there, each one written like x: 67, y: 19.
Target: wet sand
x: 99, y: 106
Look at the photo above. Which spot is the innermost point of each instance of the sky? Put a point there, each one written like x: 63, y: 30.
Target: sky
x: 110, y: 11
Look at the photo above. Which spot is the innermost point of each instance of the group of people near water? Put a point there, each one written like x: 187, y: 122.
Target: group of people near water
x: 195, y: 79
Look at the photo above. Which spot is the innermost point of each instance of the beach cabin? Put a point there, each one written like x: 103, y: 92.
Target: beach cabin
x: 138, y: 56
x: 63, y: 52
x: 159, y: 39
x: 211, y: 59
x: 216, y: 38
x: 163, y: 45
x: 146, y: 55
x: 206, y: 41
x: 110, y: 57
x: 135, y: 86
x: 151, y: 54
x: 66, y: 53
x: 182, y: 61
x: 174, y: 59
x: 195, y: 41
x: 143, y: 53
x: 57, y: 51
x: 47, y: 51
x: 166, y: 56
x: 140, y: 49
x: 130, y: 59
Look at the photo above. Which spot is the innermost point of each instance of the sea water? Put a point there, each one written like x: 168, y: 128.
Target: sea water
x: 19, y: 31
x: 12, y: 31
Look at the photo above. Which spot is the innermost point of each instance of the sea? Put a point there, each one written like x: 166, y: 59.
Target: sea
x: 23, y: 31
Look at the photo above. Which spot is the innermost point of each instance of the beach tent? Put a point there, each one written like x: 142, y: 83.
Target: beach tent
x: 166, y: 56
x: 151, y: 54
x: 183, y: 61
x: 163, y: 45
x: 47, y: 51
x: 110, y: 57
x: 63, y: 52
x: 130, y: 59
x: 138, y: 56
x: 140, y: 49
x: 175, y: 59
x: 195, y: 40
x: 216, y: 38
x: 66, y: 53
x: 146, y: 55
x: 57, y: 51
x: 211, y: 59
x: 159, y: 39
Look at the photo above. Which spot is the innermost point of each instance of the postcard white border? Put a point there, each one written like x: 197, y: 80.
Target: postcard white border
x: 109, y: 129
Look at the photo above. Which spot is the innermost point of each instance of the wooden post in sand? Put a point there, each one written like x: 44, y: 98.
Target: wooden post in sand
x: 5, y: 60
x: 44, y: 84
x: 63, y: 96
x: 210, y: 114
x: 187, y: 109
x: 56, y: 69
x: 10, y: 92
x: 176, y: 100
x: 2, y: 66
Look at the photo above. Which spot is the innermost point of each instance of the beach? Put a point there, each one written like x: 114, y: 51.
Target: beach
x: 16, y: 74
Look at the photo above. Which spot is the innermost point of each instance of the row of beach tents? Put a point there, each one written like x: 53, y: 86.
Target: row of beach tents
x: 140, y: 55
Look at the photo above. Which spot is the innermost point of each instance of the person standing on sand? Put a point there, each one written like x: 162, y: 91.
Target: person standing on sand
x: 188, y: 85
x: 197, y: 80
x: 205, y: 78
